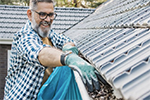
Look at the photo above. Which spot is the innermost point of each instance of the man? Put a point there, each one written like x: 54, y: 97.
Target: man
x: 36, y: 49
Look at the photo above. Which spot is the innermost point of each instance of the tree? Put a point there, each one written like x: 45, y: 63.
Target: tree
x: 79, y: 3
x: 92, y: 3
x: 9, y: 2
x: 59, y: 3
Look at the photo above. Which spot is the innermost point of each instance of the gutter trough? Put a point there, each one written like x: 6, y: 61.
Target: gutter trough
x: 82, y: 89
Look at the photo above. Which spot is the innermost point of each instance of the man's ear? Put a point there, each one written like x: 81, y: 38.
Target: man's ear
x: 29, y: 14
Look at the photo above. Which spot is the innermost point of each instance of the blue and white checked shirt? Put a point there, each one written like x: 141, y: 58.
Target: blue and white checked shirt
x: 25, y: 74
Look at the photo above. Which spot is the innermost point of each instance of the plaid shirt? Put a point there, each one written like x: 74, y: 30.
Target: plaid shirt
x: 25, y: 74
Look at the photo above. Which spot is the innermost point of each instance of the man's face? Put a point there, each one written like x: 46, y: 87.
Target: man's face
x: 42, y: 26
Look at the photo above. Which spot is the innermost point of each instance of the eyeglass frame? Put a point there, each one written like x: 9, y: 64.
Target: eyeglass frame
x: 46, y: 14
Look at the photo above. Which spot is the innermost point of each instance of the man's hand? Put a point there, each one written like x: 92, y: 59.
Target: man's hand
x: 86, y: 71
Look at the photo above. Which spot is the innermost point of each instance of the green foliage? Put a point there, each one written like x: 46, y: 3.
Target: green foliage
x: 95, y: 5
x: 8, y: 2
x: 15, y: 2
x: 59, y: 3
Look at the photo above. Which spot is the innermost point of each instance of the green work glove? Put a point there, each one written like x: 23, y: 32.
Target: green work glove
x: 68, y: 47
x: 86, y: 71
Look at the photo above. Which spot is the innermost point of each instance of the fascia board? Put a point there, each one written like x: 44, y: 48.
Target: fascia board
x: 5, y: 41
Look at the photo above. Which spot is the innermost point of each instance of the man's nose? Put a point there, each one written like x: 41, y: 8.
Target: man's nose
x: 48, y: 18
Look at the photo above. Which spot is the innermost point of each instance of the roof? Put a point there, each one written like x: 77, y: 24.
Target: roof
x: 116, y: 40
x: 12, y: 18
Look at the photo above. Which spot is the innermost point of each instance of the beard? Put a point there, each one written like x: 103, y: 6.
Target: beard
x: 43, y: 32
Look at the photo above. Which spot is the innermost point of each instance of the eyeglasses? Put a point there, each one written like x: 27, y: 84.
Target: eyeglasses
x: 43, y: 15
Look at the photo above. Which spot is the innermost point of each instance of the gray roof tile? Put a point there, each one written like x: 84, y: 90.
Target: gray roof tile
x: 116, y: 40
x: 12, y: 18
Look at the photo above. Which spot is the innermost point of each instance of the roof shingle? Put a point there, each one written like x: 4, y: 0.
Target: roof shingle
x: 12, y: 18
x: 116, y: 39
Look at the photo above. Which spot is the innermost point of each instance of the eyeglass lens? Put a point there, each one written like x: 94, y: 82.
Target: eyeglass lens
x: 44, y: 15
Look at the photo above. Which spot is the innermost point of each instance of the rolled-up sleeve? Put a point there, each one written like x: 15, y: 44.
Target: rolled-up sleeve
x: 29, y: 47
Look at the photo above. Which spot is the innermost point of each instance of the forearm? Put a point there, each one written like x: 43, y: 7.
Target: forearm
x: 50, y: 57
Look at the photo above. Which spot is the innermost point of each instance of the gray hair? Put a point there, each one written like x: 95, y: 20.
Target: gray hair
x: 33, y: 3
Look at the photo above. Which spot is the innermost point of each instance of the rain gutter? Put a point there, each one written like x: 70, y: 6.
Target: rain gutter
x: 81, y: 86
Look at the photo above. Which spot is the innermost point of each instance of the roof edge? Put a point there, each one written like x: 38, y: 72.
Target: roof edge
x: 6, y: 41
